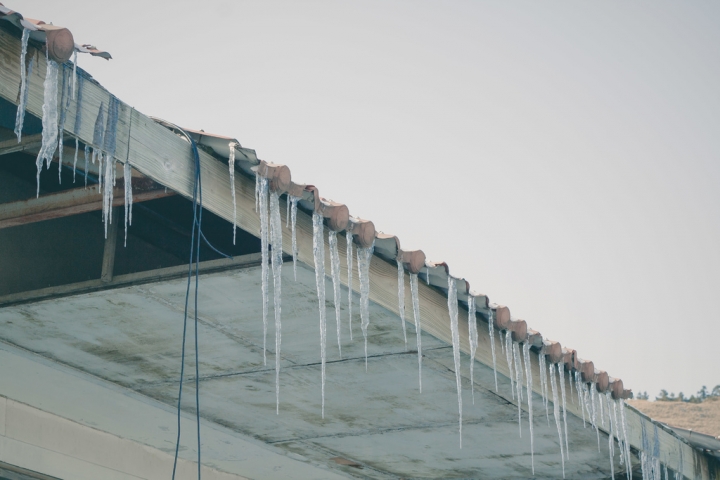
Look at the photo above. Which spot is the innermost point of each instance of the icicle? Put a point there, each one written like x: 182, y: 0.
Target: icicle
x: 319, y: 257
x: 24, y: 75
x: 264, y: 242
x: 257, y: 192
x: 127, y: 180
x: 491, y: 332
x: 621, y: 448
x: 98, y: 138
x: 473, y: 338
x: 594, y: 413
x: 518, y: 381
x: 679, y: 472
x: 86, y: 156
x: 231, y: 168
x: 579, y: 390
x: 277, y: 261
x: 453, y: 310
x: 611, y: 439
x: 656, y: 454
x: 561, y: 378
x: 543, y: 382
x: 335, y: 271
x: 644, y: 463
x: 601, y: 412
x: 349, y: 257
x: 416, y: 315
x: 509, y: 359
x: 529, y: 391
x: 64, y: 105
x: 364, y: 256
x: 626, y: 443
x: 427, y: 275
x: 570, y: 384
x: 49, y: 119
x: 108, y: 192
x: 556, y: 413
x: 74, y: 79
x: 293, y: 223
x: 110, y: 135
x: 401, y: 299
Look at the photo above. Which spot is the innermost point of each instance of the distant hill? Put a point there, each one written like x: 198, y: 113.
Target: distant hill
x: 700, y: 417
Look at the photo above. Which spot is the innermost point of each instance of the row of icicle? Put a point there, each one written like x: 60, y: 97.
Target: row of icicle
x: 600, y: 410
x: 68, y: 85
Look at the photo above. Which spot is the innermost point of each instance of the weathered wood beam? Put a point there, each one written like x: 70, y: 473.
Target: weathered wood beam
x: 166, y: 158
x: 27, y: 142
x: 108, y: 262
x: 70, y: 202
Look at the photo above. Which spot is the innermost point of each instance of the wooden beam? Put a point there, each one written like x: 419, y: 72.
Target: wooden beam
x: 27, y: 142
x: 127, y: 280
x: 69, y: 202
x: 108, y: 262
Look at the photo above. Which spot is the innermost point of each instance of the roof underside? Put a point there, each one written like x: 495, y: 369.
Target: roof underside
x: 131, y: 336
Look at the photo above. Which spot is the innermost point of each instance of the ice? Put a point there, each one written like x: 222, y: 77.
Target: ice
x: 335, y: 271
x: 529, y: 391
x: 364, y: 256
x: 543, y: 382
x: 579, y: 390
x: 49, y: 119
x: 416, y: 315
x: 656, y: 454
x: 74, y: 73
x: 110, y: 136
x: 231, y: 168
x: 277, y: 261
x: 570, y: 384
x: 24, y: 75
x: 127, y: 180
x: 453, y: 310
x: 601, y: 412
x: 262, y: 198
x: 509, y: 359
x: 427, y: 275
x: 491, y: 332
x: 616, y: 426
x: 107, y: 190
x: 518, y: 381
x: 349, y: 257
x: 78, y: 123
x: 401, y: 299
x: 644, y: 460
x: 98, y: 136
x: 611, y: 439
x: 319, y: 257
x: 64, y: 105
x: 561, y: 378
x: 681, y: 467
x: 556, y: 413
x: 473, y: 338
x: 626, y: 443
x: 293, y: 224
x: 86, y: 156
x: 594, y: 413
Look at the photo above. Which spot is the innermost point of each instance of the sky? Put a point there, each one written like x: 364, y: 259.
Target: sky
x: 562, y: 156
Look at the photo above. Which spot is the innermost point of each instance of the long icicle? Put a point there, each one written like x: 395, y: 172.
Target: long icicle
x: 49, y: 119
x: 319, y: 257
x: 418, y: 330
x: 579, y: 390
x: 473, y: 338
x: 262, y: 192
x: 453, y: 310
x: 491, y: 332
x: 24, y: 75
x: 349, y: 256
x: 626, y: 443
x: 529, y: 391
x: 556, y: 413
x: 509, y: 359
x: 231, y: 168
x: 401, y: 298
x: 561, y: 378
x: 277, y: 261
x: 335, y: 272
x: 542, y: 361
x: 611, y: 439
x: 364, y: 258
x: 518, y: 381
x: 127, y: 183
x: 293, y: 224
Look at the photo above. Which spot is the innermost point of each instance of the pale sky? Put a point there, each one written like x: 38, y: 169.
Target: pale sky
x: 562, y: 156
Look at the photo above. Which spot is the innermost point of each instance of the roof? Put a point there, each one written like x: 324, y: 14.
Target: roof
x: 153, y: 147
